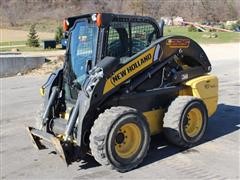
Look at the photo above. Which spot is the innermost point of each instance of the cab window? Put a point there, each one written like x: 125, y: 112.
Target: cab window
x: 126, y: 39
x: 118, y: 40
x: 143, y: 34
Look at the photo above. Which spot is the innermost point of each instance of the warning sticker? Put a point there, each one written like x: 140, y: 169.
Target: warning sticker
x: 178, y: 43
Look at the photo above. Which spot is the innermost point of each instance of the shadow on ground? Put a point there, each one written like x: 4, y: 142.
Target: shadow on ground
x: 225, y: 121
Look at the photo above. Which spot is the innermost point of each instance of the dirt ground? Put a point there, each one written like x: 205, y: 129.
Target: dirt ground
x: 7, y: 35
x: 53, y: 61
x: 51, y: 64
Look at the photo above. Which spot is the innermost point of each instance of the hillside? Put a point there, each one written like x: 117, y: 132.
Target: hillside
x: 14, y: 13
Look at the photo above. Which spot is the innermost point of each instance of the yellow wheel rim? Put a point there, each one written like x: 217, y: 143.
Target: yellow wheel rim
x: 194, y: 122
x: 128, y: 140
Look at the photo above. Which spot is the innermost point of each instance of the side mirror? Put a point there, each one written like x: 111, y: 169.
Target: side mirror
x: 109, y: 65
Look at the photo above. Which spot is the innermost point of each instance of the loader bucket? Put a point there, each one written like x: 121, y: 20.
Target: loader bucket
x: 38, y: 136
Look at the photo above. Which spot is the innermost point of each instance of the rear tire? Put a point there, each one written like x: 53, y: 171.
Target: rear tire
x: 120, y: 138
x: 186, y: 121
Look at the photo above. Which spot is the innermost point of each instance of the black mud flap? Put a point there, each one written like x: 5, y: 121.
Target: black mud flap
x: 38, y: 136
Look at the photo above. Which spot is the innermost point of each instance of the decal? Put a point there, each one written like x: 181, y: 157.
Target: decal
x: 130, y: 69
x: 207, y: 86
x: 178, y: 43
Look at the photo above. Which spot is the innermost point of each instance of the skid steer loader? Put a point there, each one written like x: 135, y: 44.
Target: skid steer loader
x: 123, y: 81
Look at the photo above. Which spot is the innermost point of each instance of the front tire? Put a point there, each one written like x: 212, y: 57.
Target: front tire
x: 120, y: 138
x: 186, y: 121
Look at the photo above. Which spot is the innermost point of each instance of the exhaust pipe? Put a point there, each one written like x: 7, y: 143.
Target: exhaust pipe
x: 161, y: 25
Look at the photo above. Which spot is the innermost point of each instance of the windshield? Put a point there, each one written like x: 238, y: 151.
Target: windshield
x: 83, y: 45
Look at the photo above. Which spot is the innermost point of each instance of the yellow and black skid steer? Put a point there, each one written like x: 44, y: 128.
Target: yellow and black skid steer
x: 123, y: 81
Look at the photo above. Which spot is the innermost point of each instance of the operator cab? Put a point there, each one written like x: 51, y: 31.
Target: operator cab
x: 93, y: 37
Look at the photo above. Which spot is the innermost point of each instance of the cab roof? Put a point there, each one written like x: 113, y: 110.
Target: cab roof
x: 107, y: 18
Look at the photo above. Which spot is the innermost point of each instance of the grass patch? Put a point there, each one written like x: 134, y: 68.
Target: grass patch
x: 26, y: 49
x: 12, y: 43
x: 21, y: 45
x: 222, y: 37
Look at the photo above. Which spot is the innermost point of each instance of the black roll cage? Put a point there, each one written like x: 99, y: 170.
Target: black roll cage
x: 107, y: 19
